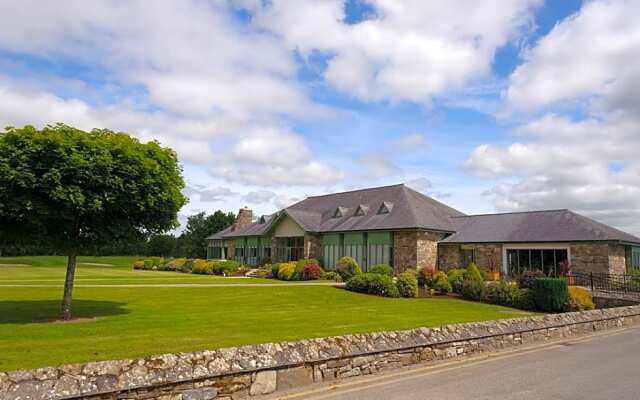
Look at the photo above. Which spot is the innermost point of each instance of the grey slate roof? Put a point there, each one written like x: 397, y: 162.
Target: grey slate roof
x: 407, y: 209
x: 533, y: 226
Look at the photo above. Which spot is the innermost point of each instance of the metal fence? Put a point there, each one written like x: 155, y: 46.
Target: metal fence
x: 609, y: 283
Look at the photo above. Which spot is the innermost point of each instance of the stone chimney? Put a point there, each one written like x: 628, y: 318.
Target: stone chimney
x: 244, y: 218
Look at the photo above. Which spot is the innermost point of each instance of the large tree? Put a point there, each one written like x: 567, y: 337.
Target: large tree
x: 161, y: 245
x: 76, y: 189
x: 192, y: 242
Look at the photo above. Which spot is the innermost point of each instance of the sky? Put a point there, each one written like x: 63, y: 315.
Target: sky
x: 486, y: 105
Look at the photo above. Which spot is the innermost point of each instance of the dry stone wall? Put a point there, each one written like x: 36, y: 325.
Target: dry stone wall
x: 261, y: 369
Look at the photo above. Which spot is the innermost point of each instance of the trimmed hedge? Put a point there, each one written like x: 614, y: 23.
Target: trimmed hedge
x: 551, y: 294
x: 380, y: 285
x: 407, y: 284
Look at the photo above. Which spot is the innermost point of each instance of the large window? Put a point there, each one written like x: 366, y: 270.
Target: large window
x: 331, y: 250
x: 354, y: 247
x: 635, y: 258
x: 467, y: 256
x: 217, y: 250
x: 380, y: 248
x: 290, y: 248
x: 548, y: 261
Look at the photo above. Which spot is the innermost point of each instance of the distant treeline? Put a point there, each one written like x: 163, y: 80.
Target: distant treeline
x: 190, y: 243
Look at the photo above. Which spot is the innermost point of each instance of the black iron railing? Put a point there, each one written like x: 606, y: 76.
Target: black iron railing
x: 609, y: 283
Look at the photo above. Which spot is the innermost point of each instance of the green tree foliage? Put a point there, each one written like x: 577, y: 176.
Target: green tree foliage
x: 192, y: 242
x: 76, y: 189
x: 161, y: 245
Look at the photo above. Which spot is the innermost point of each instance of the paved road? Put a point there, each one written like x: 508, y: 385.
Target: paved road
x: 601, y: 367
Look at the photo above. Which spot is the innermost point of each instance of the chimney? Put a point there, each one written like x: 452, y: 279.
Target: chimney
x: 244, y: 218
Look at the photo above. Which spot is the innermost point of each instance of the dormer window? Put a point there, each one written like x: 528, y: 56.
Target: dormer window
x: 361, y: 210
x: 340, y: 212
x: 385, y: 207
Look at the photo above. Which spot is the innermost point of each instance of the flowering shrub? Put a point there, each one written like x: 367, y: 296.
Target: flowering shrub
x: 286, y: 271
x: 331, y: 276
x: 311, y: 272
x: 303, y: 262
x: 202, y: 267
x: 580, y: 299
x: 347, y: 268
x: 138, y: 264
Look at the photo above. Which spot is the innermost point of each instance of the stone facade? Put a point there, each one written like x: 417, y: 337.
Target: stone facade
x: 260, y: 369
x: 590, y: 257
x: 617, y: 259
x: 486, y: 255
x: 415, y: 249
x: 312, y: 246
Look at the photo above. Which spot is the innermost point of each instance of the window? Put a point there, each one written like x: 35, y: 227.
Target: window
x: 290, y: 248
x: 467, y: 256
x: 635, y: 257
x: 361, y: 211
x: 385, y: 207
x: 340, y: 212
x: 548, y: 261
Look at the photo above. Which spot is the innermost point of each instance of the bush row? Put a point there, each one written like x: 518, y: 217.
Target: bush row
x: 195, y: 266
x: 378, y: 281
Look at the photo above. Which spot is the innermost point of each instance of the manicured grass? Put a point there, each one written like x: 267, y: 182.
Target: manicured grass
x: 134, y: 322
x: 46, y: 270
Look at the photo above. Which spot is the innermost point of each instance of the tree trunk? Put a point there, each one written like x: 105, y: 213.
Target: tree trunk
x: 65, y: 312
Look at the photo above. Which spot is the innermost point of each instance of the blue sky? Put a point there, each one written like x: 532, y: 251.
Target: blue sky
x: 488, y: 106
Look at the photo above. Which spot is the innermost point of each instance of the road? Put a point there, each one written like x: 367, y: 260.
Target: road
x: 600, y: 367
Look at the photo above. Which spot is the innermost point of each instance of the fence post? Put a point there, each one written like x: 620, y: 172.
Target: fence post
x: 591, y: 281
x: 624, y: 280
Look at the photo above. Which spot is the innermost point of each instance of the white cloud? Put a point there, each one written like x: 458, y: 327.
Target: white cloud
x: 259, y: 196
x: 376, y: 165
x: 592, y: 53
x: 208, y: 195
x: 408, y: 50
x: 285, y: 200
x: 589, y: 164
x: 411, y: 142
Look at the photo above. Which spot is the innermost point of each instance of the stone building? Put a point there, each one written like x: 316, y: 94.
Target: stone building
x: 398, y: 226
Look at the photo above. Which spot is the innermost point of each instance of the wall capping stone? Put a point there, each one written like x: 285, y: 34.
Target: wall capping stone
x: 255, y: 369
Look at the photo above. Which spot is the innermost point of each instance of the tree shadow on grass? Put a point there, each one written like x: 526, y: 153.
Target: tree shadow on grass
x: 30, y: 311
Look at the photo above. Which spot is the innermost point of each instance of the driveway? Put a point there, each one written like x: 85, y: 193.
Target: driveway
x: 599, y: 367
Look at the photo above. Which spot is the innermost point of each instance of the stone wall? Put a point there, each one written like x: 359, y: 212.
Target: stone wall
x: 448, y: 256
x: 415, y: 249
x: 260, y: 369
x: 590, y: 257
x: 617, y: 259
x: 485, y: 254
x: 312, y: 246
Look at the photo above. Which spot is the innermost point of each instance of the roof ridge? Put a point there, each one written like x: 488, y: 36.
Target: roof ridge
x: 514, y: 212
x: 356, y: 190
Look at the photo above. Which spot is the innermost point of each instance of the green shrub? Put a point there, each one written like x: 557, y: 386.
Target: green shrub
x: 348, y: 267
x: 331, y: 276
x: 287, y: 271
x: 382, y: 269
x: 376, y: 284
x: 456, y: 277
x: 551, y: 294
x: 502, y: 293
x: 580, y: 299
x: 407, y: 284
x: 148, y: 263
x: 274, y: 270
x: 524, y: 299
x: 188, y: 266
x: 226, y: 267
x: 441, y: 283
x: 425, y: 278
x: 472, y: 273
x: 157, y: 261
x: 474, y: 289
x: 138, y: 264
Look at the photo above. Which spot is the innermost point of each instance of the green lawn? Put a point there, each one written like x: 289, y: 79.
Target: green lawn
x: 133, y: 322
